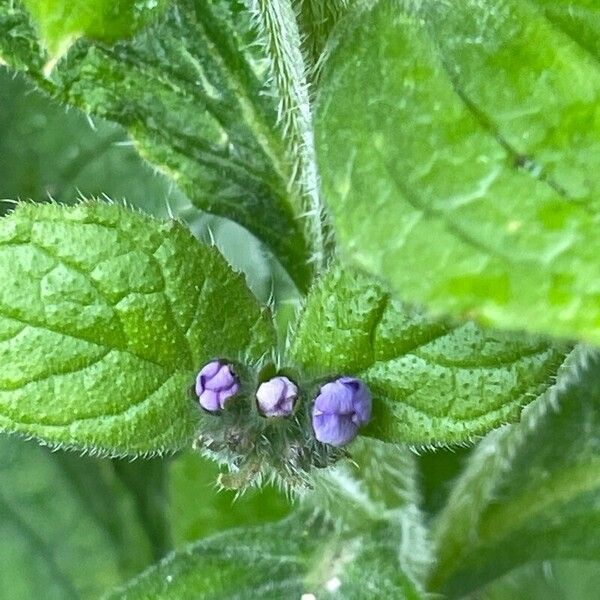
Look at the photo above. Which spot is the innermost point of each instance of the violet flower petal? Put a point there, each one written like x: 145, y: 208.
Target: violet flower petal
x: 215, y: 383
x: 277, y: 397
x: 340, y: 408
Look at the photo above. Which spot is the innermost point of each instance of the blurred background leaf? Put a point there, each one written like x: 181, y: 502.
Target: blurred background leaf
x: 550, y: 580
x: 47, y: 151
x: 197, y: 509
x: 69, y: 528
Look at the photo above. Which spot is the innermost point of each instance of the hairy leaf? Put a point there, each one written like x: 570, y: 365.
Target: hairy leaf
x: 105, y: 317
x: 68, y: 528
x: 530, y: 491
x: 284, y: 560
x: 459, y: 145
x: 193, y: 91
x: 61, y: 22
x: 379, y: 484
x: 280, y: 36
x: 433, y: 381
x: 371, y: 546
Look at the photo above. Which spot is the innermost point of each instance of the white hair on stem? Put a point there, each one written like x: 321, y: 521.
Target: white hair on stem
x: 277, y: 25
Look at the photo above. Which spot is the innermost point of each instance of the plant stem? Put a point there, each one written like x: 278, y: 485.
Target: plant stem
x: 276, y: 21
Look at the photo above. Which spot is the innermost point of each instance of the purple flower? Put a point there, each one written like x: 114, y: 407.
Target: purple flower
x: 276, y: 397
x: 341, y: 407
x: 215, y: 383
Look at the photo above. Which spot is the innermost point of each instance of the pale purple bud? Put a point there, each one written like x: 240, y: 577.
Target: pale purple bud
x: 341, y: 407
x: 215, y: 383
x: 276, y: 397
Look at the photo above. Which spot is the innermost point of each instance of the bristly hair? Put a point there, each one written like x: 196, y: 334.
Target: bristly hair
x: 317, y: 20
x: 254, y: 449
x: 277, y: 27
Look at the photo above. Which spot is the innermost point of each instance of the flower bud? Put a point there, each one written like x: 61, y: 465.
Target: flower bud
x: 341, y: 407
x: 276, y: 397
x: 215, y: 383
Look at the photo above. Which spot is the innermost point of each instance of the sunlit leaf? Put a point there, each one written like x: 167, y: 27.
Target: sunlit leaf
x: 459, y: 145
x: 433, y: 381
x: 105, y: 318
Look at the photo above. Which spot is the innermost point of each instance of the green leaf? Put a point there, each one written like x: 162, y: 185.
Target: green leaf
x: 530, y: 492
x: 550, y: 580
x: 147, y: 482
x: 47, y: 151
x: 579, y: 19
x: 105, y: 317
x: 371, y: 546
x: 437, y: 472
x: 433, y: 381
x: 284, y: 560
x: 61, y: 22
x: 194, y: 93
x: 459, y: 144
x: 193, y: 477
x: 378, y: 484
x: 68, y: 528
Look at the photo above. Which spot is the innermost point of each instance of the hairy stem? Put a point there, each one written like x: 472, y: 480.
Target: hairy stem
x: 277, y: 24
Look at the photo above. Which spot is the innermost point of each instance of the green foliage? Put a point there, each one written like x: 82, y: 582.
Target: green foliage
x: 438, y: 471
x: 316, y: 21
x: 68, y: 527
x: 284, y: 560
x: 281, y: 37
x: 578, y: 19
x: 49, y: 152
x: 550, y: 580
x: 433, y: 381
x: 61, y: 22
x: 147, y: 483
x: 373, y: 549
x: 529, y: 492
x: 199, y: 508
x: 459, y: 146
x: 105, y: 317
x: 193, y: 91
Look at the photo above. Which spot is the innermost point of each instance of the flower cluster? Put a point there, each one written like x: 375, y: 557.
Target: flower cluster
x: 339, y: 409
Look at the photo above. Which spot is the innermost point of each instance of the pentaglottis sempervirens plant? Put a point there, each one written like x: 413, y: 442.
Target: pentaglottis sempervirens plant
x: 420, y: 180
